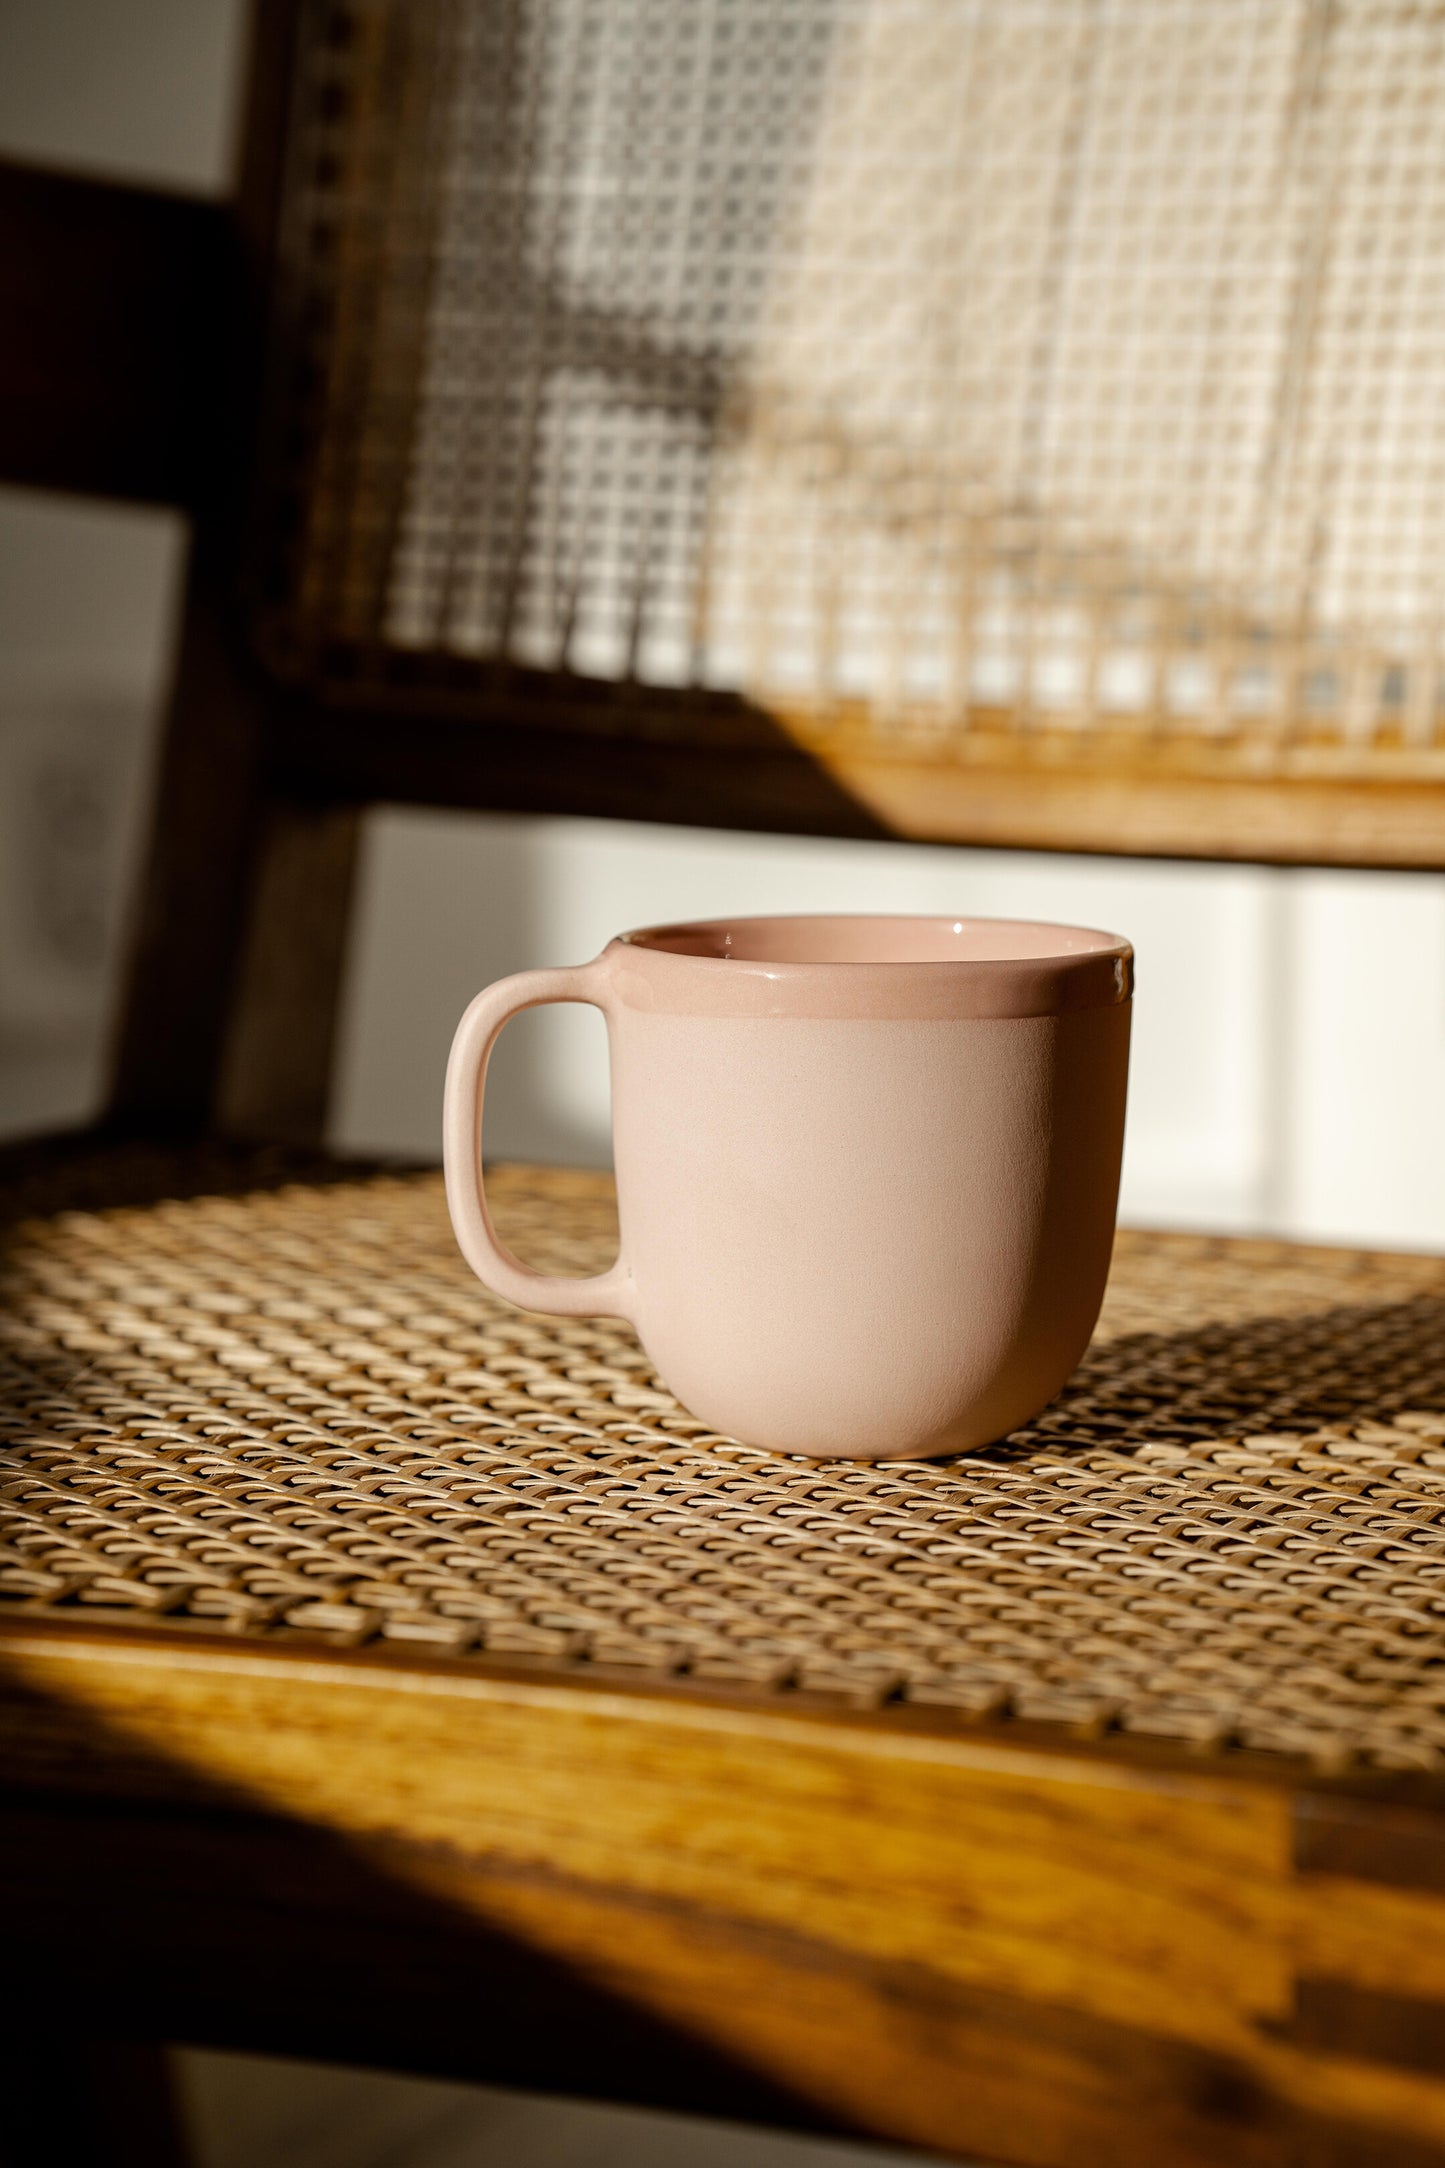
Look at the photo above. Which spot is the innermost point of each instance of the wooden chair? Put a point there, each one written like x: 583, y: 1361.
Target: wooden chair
x: 387, y: 1675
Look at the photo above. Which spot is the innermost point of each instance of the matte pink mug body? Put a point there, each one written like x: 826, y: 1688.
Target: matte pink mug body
x: 867, y: 1168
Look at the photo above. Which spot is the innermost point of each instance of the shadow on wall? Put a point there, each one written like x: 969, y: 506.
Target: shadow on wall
x: 72, y: 777
x: 445, y: 905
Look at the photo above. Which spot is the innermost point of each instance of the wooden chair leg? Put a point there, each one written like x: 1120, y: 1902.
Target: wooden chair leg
x: 190, y: 917
x: 241, y: 932
x: 276, y: 1061
x: 68, y: 2102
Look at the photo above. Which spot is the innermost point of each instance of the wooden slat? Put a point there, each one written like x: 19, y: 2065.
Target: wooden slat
x: 1371, y: 2024
x: 1135, y: 805
x: 1052, y: 1957
x: 1390, y: 1845
x: 208, y: 821
x: 276, y: 1064
x: 206, y: 827
x: 112, y: 364
x: 1014, y: 794
x: 356, y: 754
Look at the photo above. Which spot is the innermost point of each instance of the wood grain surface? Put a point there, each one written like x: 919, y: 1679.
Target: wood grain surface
x: 1048, y: 1956
x: 633, y: 759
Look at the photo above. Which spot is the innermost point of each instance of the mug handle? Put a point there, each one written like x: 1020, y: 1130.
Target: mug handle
x: 604, y: 1294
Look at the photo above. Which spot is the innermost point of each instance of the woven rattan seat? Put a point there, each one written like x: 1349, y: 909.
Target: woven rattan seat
x: 294, y: 1415
x: 388, y: 1674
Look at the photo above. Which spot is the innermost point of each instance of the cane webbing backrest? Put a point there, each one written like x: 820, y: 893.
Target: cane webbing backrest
x: 955, y: 382
x: 297, y: 1415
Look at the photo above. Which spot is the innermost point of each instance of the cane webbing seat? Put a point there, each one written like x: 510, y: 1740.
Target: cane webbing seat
x: 389, y: 1674
x: 295, y: 1414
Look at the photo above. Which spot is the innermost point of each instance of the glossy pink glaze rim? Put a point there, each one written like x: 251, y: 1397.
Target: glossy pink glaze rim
x: 873, y: 966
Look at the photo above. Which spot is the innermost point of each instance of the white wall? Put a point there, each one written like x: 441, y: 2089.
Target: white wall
x: 1290, y: 1050
x: 141, y: 90
x: 449, y: 901
x: 138, y: 90
x: 1360, y: 1080
x: 1289, y: 1055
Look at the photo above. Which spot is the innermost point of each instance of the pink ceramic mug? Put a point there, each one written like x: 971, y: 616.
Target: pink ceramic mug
x: 866, y: 1168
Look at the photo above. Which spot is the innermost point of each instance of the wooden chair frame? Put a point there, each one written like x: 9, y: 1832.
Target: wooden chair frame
x: 133, y: 369
x: 136, y: 370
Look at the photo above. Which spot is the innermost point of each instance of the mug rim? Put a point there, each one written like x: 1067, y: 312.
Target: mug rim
x: 1089, y: 942
x: 696, y: 965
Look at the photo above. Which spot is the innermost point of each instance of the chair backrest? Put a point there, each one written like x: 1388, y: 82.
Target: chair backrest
x: 999, y: 399
x: 1006, y: 421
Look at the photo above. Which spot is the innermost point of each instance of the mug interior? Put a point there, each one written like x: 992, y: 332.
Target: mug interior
x: 875, y: 940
